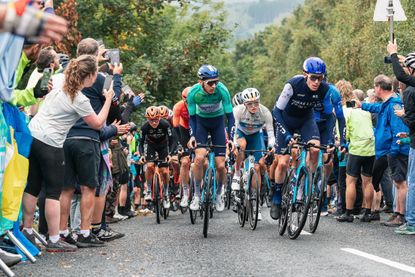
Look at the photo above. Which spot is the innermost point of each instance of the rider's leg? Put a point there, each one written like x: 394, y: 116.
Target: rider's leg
x: 184, y: 178
x: 239, y: 158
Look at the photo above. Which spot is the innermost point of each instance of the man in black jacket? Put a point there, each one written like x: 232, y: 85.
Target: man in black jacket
x: 406, y: 76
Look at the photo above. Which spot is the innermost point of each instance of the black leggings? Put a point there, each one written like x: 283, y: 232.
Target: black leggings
x: 46, y: 169
x: 379, y: 168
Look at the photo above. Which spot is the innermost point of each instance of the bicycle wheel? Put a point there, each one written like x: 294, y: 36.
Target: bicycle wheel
x: 317, y: 199
x: 193, y: 214
x: 286, y: 198
x: 228, y: 194
x: 253, y: 199
x: 207, y: 202
x: 299, y: 207
x: 165, y: 198
x: 156, y: 188
x: 241, y: 208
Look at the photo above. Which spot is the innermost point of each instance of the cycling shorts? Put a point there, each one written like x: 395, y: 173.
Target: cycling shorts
x: 306, y: 127
x: 214, y: 126
x: 253, y: 142
x: 156, y: 152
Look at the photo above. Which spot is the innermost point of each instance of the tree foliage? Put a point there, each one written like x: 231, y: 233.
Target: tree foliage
x: 342, y: 32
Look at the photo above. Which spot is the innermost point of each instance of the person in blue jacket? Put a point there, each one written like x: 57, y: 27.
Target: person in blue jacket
x: 387, y: 129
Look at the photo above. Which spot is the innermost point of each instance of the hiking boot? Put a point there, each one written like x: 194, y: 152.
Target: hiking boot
x: 60, y: 246
x: 394, y: 221
x: 31, y: 238
x: 9, y: 259
x: 405, y: 229
x: 275, y: 211
x: 107, y: 234
x: 70, y: 238
x: 375, y: 216
x: 345, y: 218
x: 89, y: 241
x: 366, y: 218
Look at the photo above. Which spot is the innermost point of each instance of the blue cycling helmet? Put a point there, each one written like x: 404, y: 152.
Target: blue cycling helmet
x: 207, y: 71
x: 314, y: 65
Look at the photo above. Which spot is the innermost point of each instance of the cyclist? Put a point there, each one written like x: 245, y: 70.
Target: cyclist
x: 293, y: 111
x: 207, y: 102
x: 181, y: 124
x: 156, y: 142
x: 250, y: 119
x: 237, y: 99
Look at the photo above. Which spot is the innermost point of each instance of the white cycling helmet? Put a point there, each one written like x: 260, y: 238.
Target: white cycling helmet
x: 250, y: 94
x: 237, y: 99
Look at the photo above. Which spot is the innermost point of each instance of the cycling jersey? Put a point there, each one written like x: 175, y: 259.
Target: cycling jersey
x: 323, y: 112
x: 250, y: 124
x: 206, y: 110
x: 180, y: 115
x: 294, y: 106
x: 209, y: 105
x: 162, y: 136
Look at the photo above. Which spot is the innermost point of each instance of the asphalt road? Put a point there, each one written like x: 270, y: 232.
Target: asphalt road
x: 177, y: 248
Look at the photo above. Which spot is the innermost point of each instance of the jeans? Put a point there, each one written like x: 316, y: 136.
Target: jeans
x: 410, y: 198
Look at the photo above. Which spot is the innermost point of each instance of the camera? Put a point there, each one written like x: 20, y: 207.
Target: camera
x: 113, y: 55
x: 350, y: 104
x: 387, y: 59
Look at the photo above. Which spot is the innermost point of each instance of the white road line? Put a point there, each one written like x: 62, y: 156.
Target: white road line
x: 380, y: 260
x: 305, y: 233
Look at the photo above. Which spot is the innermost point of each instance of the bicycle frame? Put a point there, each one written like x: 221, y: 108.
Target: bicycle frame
x: 301, y: 166
x: 211, y: 166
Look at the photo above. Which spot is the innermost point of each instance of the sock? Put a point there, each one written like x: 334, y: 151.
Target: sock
x: 276, y: 198
x: 348, y: 212
x: 28, y: 230
x: 197, y: 187
x: 96, y: 227
x: 121, y: 210
x: 64, y: 233
x: 85, y: 233
x: 54, y: 239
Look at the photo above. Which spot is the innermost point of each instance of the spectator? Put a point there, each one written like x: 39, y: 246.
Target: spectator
x: 387, y: 128
x: 62, y: 108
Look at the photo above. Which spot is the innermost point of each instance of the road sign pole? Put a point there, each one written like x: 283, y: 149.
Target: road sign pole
x: 390, y: 19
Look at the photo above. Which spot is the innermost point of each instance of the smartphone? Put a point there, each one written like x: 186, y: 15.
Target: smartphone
x: 47, y: 74
x: 127, y: 90
x: 350, y: 104
x: 387, y: 59
x: 113, y: 55
x: 108, y: 82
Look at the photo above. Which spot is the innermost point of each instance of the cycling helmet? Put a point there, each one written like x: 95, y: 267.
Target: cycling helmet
x: 250, y: 94
x: 63, y: 60
x: 185, y: 92
x: 314, y: 65
x: 207, y: 71
x: 163, y: 112
x: 152, y: 112
x: 237, y: 99
x: 410, y: 60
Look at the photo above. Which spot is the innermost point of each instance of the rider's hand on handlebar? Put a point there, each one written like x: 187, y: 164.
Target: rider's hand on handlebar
x: 230, y: 146
x: 191, y: 143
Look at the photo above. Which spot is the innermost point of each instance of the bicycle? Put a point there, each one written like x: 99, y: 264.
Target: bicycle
x: 208, y: 198
x: 318, y: 191
x: 265, y: 190
x: 230, y: 161
x: 157, y: 192
x: 296, y: 193
x: 249, y: 193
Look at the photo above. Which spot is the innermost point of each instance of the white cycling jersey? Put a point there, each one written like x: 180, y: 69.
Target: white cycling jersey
x: 250, y: 124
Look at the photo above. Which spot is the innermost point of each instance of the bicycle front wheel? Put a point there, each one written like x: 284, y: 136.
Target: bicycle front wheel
x: 299, y: 205
x: 193, y: 214
x: 156, y: 188
x: 317, y: 199
x: 253, y: 203
x: 207, y: 201
x: 285, y: 204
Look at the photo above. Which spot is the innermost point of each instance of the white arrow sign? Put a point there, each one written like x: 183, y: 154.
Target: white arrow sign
x: 381, y: 11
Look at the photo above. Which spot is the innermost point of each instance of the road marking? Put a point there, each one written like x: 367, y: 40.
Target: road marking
x: 305, y: 233
x: 397, y: 265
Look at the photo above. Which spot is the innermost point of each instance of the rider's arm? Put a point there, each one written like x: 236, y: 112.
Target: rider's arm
x: 338, y: 109
x: 237, y: 113
x: 227, y: 107
x: 172, y: 139
x: 400, y: 74
x: 372, y: 107
x: 280, y: 105
x: 176, y: 115
x: 191, y: 106
x: 142, y: 139
x: 269, y: 125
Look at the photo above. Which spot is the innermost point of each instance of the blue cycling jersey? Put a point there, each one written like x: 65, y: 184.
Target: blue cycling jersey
x: 324, y: 110
x: 296, y: 103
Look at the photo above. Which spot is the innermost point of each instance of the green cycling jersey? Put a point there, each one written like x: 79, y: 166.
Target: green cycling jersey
x: 207, y: 105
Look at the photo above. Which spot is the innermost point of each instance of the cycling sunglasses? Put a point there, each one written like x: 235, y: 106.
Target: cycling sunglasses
x: 314, y: 78
x: 211, y: 83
